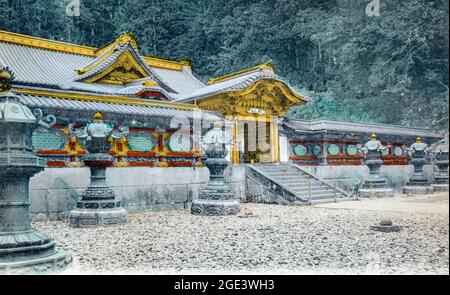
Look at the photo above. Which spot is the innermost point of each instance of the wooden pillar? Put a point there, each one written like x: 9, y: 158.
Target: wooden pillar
x: 235, y: 150
x: 275, y: 140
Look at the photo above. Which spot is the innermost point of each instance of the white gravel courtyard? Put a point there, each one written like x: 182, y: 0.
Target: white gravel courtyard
x: 322, y: 239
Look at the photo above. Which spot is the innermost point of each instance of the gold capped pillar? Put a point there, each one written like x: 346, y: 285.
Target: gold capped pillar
x: 274, y: 139
x: 235, y: 150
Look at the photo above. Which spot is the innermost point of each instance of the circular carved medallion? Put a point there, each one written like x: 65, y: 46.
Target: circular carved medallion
x: 316, y: 150
x: 300, y: 150
x: 333, y: 149
x: 351, y: 150
x: 180, y: 143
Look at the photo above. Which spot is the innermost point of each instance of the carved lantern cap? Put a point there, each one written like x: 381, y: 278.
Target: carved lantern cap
x: 12, y: 111
x: 97, y: 117
x: 442, y: 147
x: 6, y: 79
x: 373, y: 144
x: 217, y: 136
x: 419, y: 145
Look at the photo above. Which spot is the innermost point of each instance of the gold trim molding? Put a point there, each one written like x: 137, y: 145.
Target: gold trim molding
x: 42, y: 43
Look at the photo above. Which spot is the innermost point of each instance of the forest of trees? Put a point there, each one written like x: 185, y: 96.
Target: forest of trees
x: 391, y: 68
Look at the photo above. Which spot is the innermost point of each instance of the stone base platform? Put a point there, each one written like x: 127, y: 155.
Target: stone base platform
x: 53, y: 263
x: 376, y: 193
x: 417, y: 190
x: 440, y: 187
x: 215, y: 207
x: 85, y: 218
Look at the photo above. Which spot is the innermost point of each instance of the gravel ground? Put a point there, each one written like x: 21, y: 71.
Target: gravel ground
x: 262, y: 239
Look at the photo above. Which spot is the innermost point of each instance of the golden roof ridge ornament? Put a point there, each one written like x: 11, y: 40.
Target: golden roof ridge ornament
x: 124, y: 38
x: 265, y: 66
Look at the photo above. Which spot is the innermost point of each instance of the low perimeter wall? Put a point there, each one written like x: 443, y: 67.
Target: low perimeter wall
x: 347, y: 177
x: 54, y: 192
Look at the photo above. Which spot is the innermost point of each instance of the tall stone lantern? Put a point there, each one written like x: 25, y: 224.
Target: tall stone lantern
x: 376, y: 185
x: 23, y: 249
x: 440, y: 183
x: 99, y: 204
x: 418, y: 182
x: 216, y: 198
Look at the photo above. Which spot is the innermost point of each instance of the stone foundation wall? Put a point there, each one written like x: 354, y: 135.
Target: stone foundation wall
x: 54, y: 192
x: 347, y: 177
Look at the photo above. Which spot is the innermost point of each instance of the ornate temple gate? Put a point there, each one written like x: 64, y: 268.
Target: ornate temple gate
x: 256, y: 139
x: 254, y: 113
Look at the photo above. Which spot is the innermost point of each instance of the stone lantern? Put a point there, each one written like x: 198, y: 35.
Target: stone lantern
x: 440, y: 183
x: 375, y: 185
x: 99, y: 204
x: 418, y: 182
x: 216, y: 198
x: 23, y: 249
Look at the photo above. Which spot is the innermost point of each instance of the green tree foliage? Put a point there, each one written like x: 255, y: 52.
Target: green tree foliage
x: 388, y: 69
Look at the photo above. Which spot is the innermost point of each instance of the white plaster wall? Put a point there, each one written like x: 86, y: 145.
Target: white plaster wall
x: 53, y: 192
x: 284, y: 149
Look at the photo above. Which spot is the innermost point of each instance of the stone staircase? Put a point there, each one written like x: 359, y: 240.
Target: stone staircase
x: 291, y: 184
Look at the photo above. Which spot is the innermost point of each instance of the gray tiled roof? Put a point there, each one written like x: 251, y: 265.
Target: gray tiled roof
x: 47, y: 68
x: 347, y: 127
x: 68, y: 104
x: 35, y: 66
x: 40, y: 66
x: 236, y: 83
x: 183, y: 82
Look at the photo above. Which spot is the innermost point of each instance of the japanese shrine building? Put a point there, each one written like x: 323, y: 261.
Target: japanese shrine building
x: 73, y: 82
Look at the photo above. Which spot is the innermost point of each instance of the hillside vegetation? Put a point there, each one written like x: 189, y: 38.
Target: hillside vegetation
x: 391, y: 68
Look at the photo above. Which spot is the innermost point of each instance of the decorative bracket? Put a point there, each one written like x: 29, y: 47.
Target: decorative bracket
x: 47, y: 121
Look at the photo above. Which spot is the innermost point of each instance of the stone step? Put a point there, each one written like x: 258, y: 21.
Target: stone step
x: 306, y: 187
x: 323, y: 201
x: 342, y: 199
x: 285, y: 175
x: 320, y: 197
x: 315, y: 194
x: 294, y: 179
x: 281, y: 173
x: 289, y: 176
x: 298, y: 181
x: 278, y: 169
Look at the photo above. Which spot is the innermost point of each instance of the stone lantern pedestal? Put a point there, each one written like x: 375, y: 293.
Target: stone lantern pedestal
x: 375, y: 185
x: 441, y: 161
x: 23, y: 249
x: 216, y: 198
x: 98, y: 205
x: 418, y: 182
